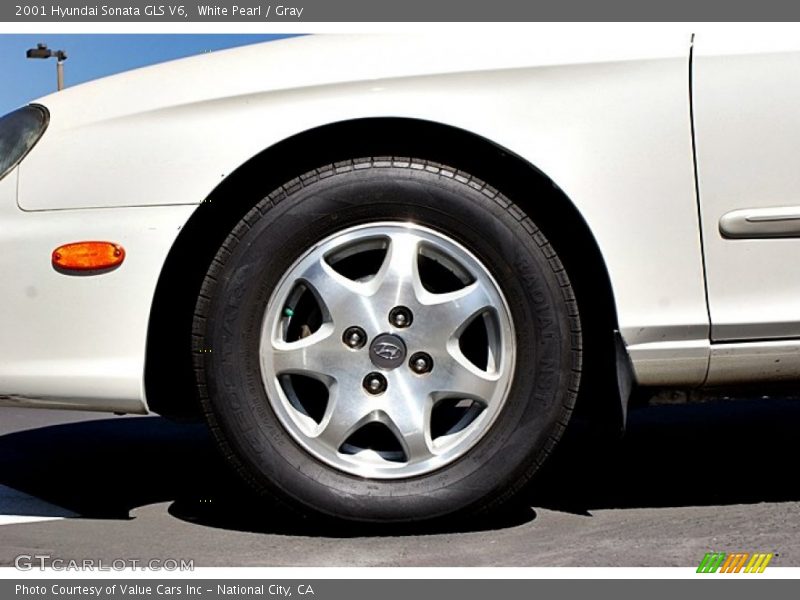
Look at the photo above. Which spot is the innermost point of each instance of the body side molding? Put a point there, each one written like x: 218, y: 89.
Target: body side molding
x: 697, y: 363
x: 747, y: 362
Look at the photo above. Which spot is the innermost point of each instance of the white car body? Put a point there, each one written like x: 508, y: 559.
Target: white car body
x: 609, y: 120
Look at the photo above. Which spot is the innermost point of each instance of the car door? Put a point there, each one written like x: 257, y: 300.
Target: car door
x: 746, y: 109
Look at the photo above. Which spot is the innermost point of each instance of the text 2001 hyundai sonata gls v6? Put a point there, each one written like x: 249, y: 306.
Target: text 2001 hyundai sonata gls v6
x: 385, y: 268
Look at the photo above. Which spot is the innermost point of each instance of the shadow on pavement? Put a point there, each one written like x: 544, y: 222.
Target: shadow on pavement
x: 105, y: 468
x: 723, y: 452
x: 717, y: 453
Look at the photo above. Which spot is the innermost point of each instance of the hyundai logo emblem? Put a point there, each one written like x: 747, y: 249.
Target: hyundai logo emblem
x: 387, y: 351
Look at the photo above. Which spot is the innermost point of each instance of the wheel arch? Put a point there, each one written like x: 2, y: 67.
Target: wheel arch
x: 169, y: 380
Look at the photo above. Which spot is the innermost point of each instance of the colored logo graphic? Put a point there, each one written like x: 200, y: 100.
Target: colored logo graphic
x: 737, y: 562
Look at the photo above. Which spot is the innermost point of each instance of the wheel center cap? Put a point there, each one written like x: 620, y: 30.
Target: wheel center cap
x: 387, y: 351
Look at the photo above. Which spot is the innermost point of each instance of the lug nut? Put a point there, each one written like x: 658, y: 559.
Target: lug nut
x: 400, y: 317
x: 375, y: 383
x: 354, y: 338
x: 421, y: 363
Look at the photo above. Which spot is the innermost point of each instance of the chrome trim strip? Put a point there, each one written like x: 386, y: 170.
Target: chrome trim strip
x: 757, y: 223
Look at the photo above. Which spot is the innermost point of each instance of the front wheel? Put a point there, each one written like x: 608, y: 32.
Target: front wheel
x: 387, y: 340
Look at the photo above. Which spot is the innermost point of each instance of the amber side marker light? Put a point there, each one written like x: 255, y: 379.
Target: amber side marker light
x: 88, y: 256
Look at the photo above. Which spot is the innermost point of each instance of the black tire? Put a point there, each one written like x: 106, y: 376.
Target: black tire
x: 294, y: 217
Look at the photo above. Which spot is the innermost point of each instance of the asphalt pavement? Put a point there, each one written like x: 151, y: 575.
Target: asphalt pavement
x: 685, y: 480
